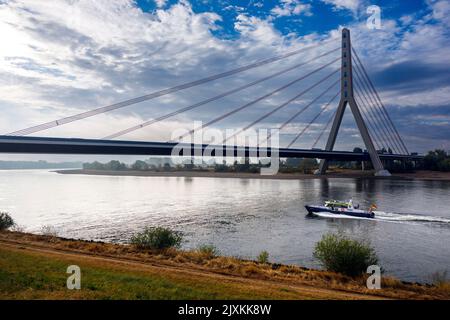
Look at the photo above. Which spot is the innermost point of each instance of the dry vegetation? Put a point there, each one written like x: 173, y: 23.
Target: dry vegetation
x: 204, y: 261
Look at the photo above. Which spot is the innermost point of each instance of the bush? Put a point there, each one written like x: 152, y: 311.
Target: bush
x: 263, y: 257
x: 340, y: 254
x: 208, y: 250
x: 6, y: 221
x: 49, y: 231
x: 157, y: 238
x: 439, y: 278
x: 17, y: 228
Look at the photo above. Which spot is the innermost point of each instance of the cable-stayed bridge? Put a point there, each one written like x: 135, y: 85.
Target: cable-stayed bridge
x: 349, y: 82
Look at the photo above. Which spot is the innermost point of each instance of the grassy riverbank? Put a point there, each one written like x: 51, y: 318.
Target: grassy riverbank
x: 338, y: 173
x: 34, y: 267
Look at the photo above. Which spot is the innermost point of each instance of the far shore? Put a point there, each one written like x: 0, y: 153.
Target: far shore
x: 353, y: 174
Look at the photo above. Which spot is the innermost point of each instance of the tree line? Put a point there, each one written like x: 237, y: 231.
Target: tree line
x: 437, y: 160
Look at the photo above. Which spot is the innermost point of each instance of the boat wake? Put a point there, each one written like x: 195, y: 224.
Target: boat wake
x: 390, y: 217
x: 338, y: 216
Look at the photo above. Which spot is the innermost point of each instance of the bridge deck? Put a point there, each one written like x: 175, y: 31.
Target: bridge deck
x: 44, y: 145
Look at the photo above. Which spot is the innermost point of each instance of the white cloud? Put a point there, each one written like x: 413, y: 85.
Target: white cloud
x: 352, y: 5
x: 257, y: 30
x: 69, y: 56
x: 66, y: 57
x: 258, y: 4
x: 407, y: 19
x: 160, y: 3
x: 440, y: 10
x: 291, y: 8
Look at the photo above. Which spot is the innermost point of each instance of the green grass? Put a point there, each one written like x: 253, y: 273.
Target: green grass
x: 30, y: 275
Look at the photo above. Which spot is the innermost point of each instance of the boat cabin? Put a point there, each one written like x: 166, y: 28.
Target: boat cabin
x: 339, y: 204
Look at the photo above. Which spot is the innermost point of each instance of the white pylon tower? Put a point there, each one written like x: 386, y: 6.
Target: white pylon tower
x: 348, y: 98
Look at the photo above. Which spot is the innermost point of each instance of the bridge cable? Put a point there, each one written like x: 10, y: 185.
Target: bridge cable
x: 256, y: 100
x: 373, y: 107
x: 376, y: 137
x: 284, y: 104
x: 292, y: 118
x: 391, y: 140
x: 159, y: 93
x: 314, y: 119
x: 381, y: 134
x: 384, y: 112
x: 324, y: 129
x: 224, y: 94
x: 381, y: 103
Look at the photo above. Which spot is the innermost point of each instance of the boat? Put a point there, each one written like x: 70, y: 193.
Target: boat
x: 342, y: 208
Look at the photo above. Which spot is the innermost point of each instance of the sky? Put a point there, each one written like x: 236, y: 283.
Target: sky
x: 62, y: 57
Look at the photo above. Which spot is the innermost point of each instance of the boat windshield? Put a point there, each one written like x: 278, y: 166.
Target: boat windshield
x: 336, y: 204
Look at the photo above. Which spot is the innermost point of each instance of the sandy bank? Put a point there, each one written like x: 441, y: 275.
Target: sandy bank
x: 351, y: 174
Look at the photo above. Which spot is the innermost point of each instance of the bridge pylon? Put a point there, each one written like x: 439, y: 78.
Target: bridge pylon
x: 347, y: 98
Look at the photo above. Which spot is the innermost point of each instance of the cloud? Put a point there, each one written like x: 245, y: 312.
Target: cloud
x: 160, y: 3
x: 408, y: 62
x: 351, y: 5
x: 291, y: 8
x: 71, y: 56
x: 258, y: 4
x: 440, y: 10
x: 413, y: 76
x: 257, y: 30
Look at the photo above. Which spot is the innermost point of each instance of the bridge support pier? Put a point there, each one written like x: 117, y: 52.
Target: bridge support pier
x: 347, y: 98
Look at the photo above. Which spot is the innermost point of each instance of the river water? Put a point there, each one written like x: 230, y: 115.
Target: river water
x: 241, y: 217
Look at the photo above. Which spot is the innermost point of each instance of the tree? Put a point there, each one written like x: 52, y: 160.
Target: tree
x: 444, y: 165
x: 435, y: 160
x: 308, y: 165
x: 5, y: 221
x: 115, y: 165
x: 94, y: 166
x: 140, y: 165
x: 293, y: 162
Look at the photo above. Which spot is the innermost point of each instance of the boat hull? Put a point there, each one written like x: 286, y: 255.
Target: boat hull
x: 340, y: 211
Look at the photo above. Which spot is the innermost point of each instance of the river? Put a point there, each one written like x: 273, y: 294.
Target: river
x: 241, y: 217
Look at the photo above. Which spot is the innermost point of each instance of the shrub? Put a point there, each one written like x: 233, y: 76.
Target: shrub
x: 17, y: 228
x: 49, y: 231
x: 263, y: 257
x: 340, y: 254
x: 208, y: 250
x: 439, y: 278
x: 157, y: 238
x: 6, y: 221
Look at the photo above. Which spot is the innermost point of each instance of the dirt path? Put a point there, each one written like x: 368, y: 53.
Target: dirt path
x: 304, y: 291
